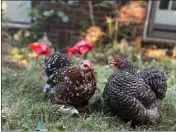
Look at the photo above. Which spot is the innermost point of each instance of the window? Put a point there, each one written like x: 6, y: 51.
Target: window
x: 161, y: 21
x: 173, y: 5
x: 164, y: 4
x: 18, y: 11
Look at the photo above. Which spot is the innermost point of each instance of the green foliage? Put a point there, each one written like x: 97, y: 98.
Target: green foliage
x: 127, y: 30
x: 172, y: 87
x: 63, y: 17
x: 103, y: 54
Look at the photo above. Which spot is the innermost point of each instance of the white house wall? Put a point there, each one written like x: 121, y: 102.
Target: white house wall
x: 18, y: 11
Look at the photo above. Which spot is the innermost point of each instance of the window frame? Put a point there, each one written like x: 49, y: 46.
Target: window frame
x: 157, y: 32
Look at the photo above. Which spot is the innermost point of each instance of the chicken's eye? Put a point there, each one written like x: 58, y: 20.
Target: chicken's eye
x: 118, y: 60
x: 85, y: 65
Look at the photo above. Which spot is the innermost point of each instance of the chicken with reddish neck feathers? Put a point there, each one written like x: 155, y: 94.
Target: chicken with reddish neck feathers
x: 133, y: 95
x: 72, y: 85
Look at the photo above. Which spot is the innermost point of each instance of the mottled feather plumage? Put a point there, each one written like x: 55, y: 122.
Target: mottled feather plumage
x: 130, y: 93
x: 156, y: 79
x: 55, y: 62
x: 72, y: 86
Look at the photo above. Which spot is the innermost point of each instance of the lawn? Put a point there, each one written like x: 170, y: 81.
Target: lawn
x: 24, y: 107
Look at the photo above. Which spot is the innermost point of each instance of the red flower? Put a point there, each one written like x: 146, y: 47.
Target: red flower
x: 40, y: 48
x: 81, y: 47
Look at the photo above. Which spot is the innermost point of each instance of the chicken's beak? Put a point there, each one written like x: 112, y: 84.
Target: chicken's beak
x: 112, y: 62
x: 90, y: 66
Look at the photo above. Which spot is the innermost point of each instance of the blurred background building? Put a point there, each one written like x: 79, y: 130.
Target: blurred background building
x: 155, y: 20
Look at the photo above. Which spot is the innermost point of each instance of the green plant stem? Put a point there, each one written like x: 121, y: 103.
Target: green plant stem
x: 38, y: 61
x: 116, y: 26
x: 116, y: 31
x: 91, y: 13
x: 110, y: 29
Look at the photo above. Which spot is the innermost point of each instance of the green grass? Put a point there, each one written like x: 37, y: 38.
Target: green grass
x: 23, y: 105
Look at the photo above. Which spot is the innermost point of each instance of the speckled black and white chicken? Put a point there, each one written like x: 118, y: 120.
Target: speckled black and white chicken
x: 133, y: 95
x: 70, y: 85
x: 55, y: 62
